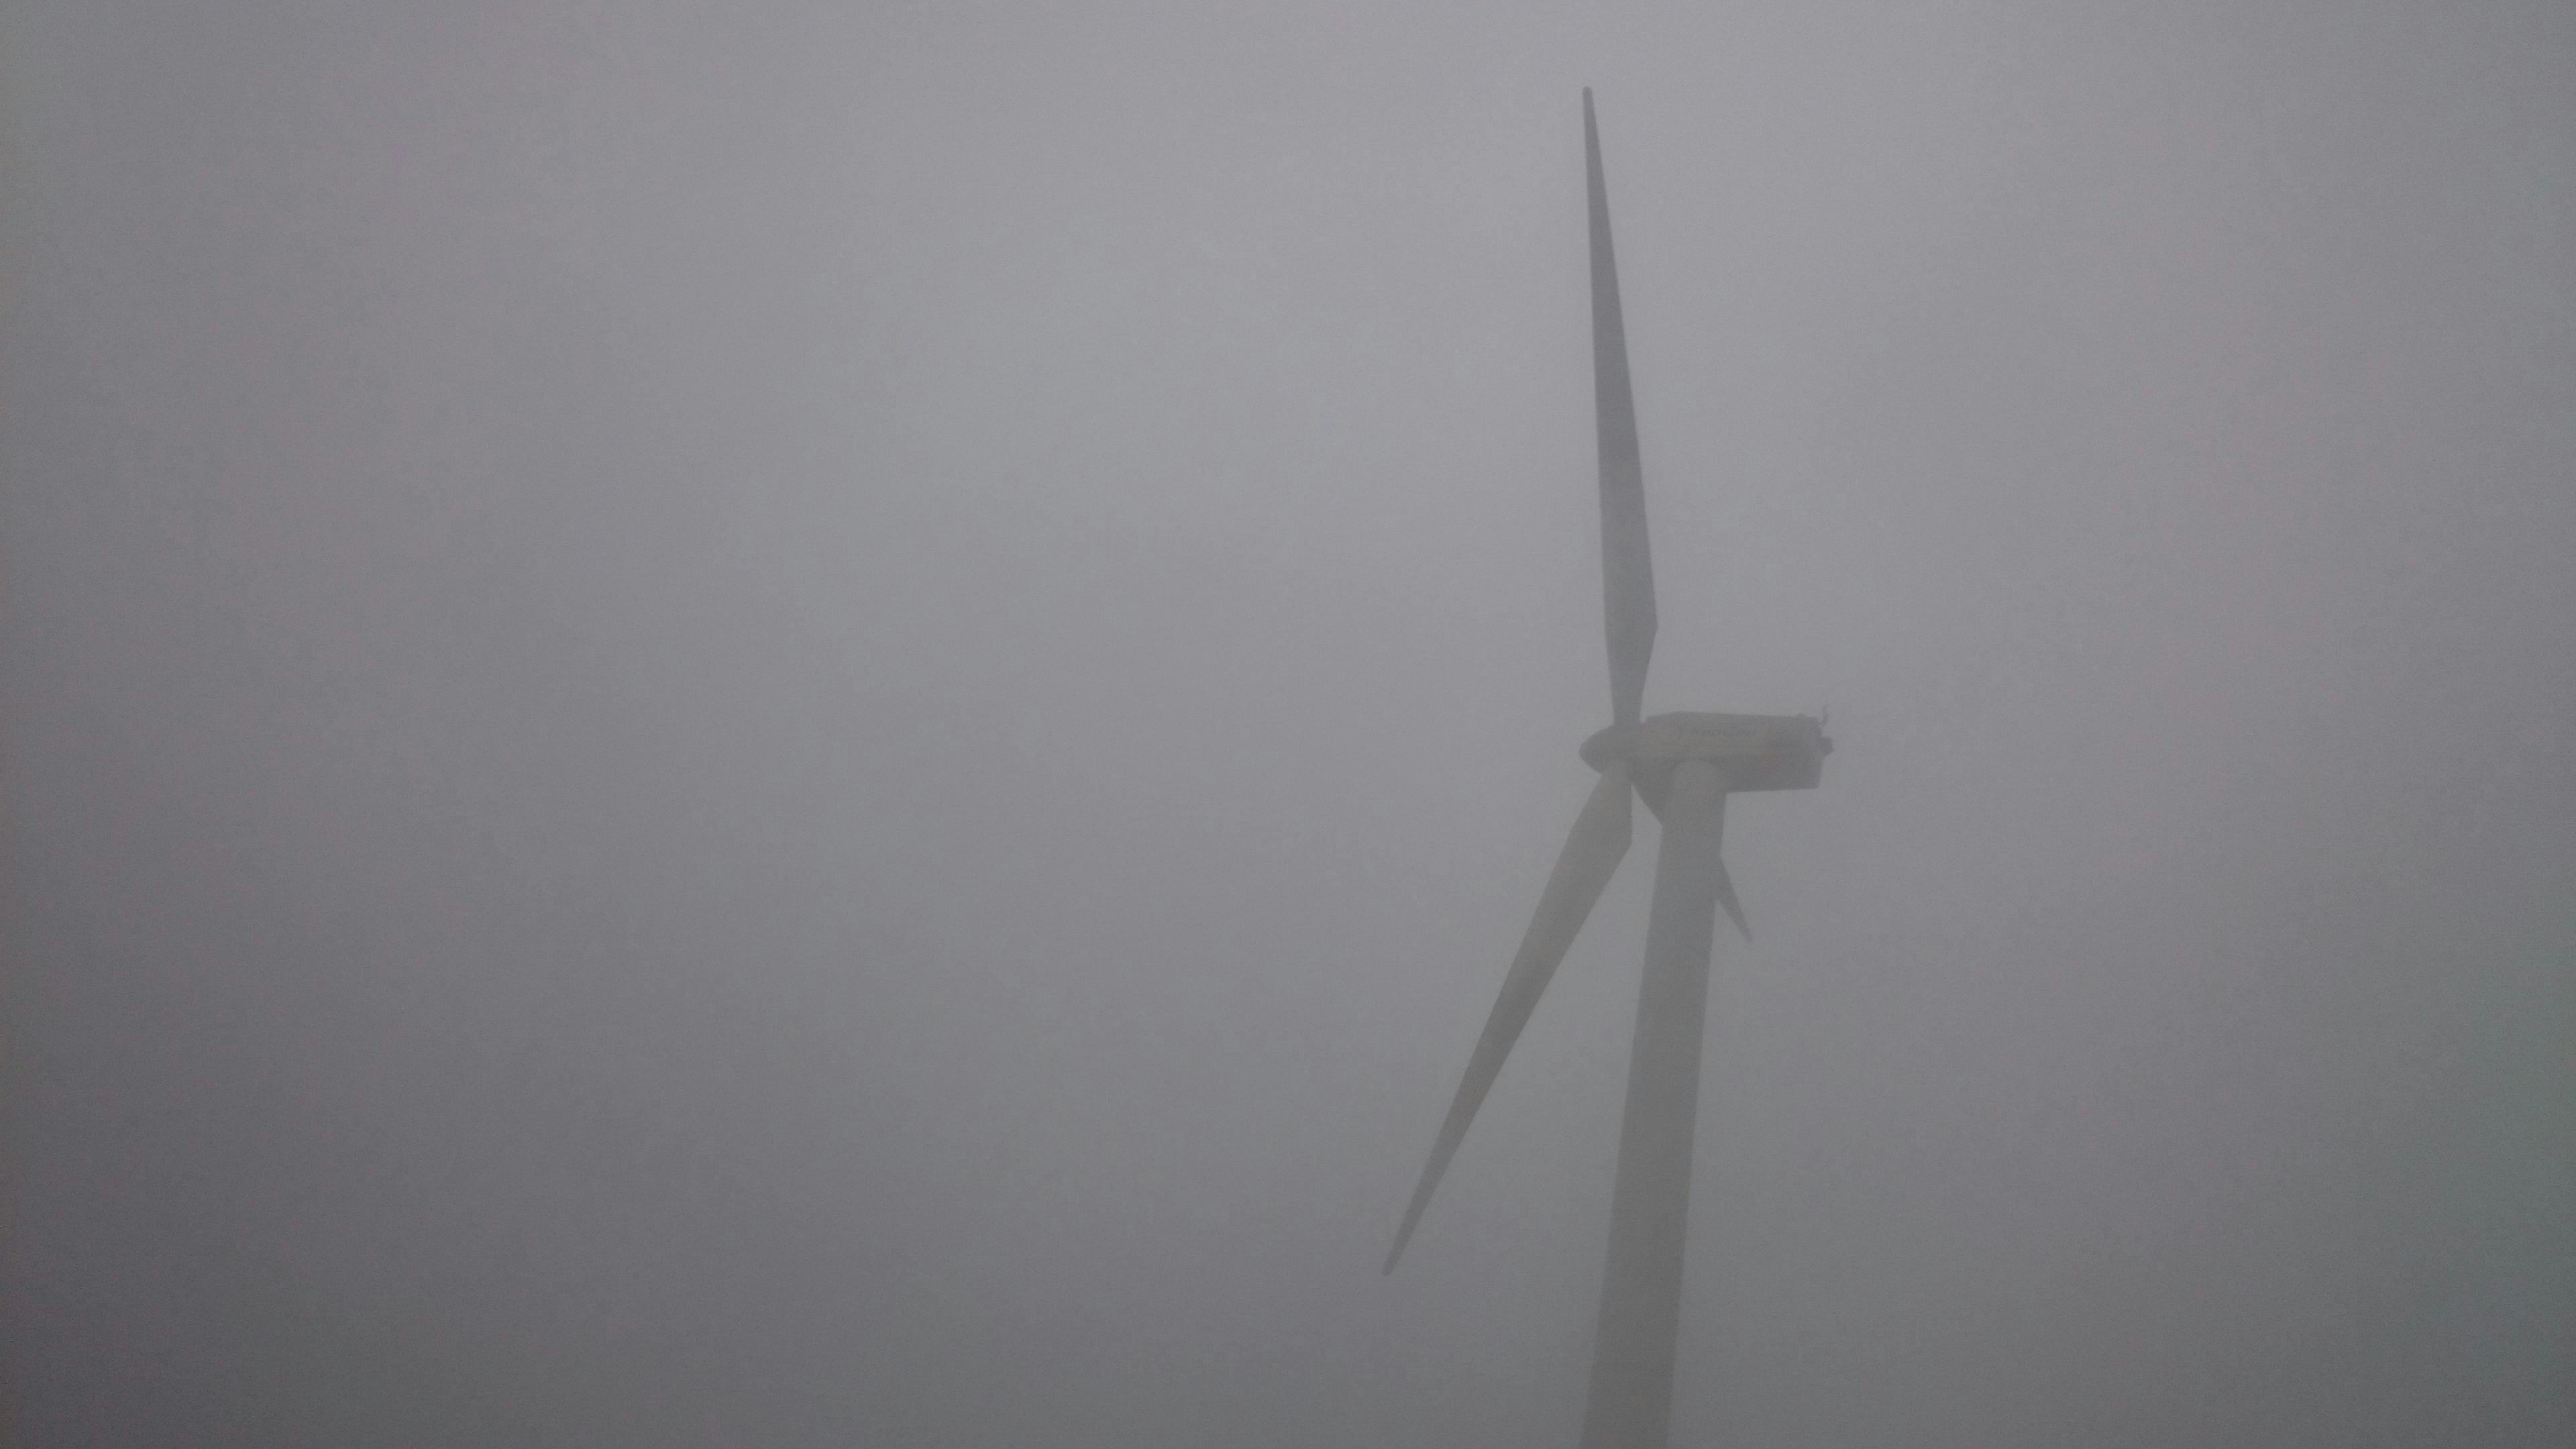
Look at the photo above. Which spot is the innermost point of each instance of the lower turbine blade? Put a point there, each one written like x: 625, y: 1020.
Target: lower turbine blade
x: 1725, y: 886
x: 1726, y: 898
x: 1583, y: 868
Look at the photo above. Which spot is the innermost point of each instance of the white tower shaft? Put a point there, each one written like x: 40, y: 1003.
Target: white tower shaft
x: 1629, y: 1405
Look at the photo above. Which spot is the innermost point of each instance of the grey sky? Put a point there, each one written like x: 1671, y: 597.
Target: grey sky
x: 809, y: 725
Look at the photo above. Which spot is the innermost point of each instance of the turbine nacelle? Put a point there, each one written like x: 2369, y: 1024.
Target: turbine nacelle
x: 1751, y: 751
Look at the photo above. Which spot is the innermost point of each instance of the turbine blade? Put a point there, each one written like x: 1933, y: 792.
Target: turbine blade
x: 1627, y: 569
x: 1726, y: 898
x: 1725, y: 885
x: 1592, y: 851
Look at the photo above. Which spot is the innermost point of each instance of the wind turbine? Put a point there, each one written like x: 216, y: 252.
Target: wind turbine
x: 1684, y: 766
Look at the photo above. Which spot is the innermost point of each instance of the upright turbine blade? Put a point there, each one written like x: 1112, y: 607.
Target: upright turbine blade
x: 1592, y: 851
x: 1627, y: 572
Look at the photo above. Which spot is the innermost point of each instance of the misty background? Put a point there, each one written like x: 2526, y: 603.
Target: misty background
x: 789, y: 725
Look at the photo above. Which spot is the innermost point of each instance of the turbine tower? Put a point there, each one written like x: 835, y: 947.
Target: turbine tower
x: 1683, y: 766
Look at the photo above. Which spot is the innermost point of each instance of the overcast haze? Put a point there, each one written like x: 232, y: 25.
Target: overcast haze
x: 808, y: 725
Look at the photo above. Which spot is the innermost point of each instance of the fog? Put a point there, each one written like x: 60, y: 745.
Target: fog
x: 824, y: 725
